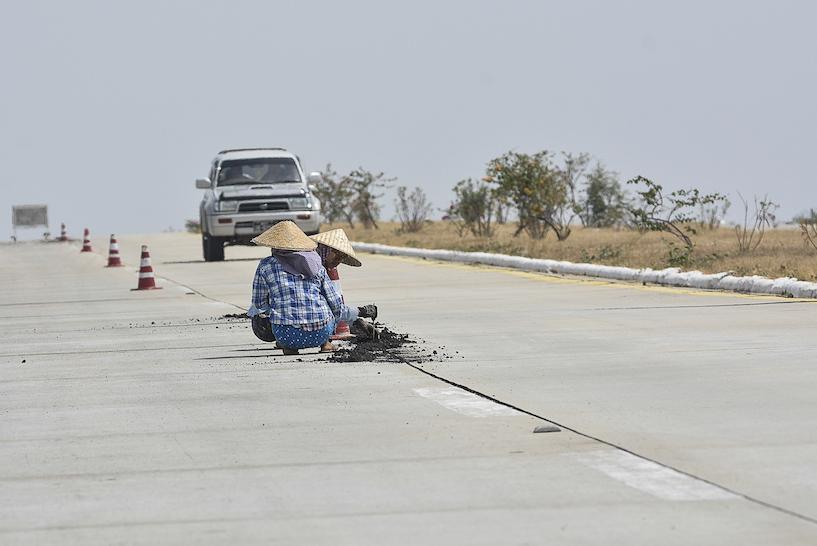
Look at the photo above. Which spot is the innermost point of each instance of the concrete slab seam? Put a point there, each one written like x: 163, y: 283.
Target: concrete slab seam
x: 135, y: 350
x: 205, y: 296
x: 620, y: 448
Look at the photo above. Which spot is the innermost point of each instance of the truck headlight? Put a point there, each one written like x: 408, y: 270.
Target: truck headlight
x: 300, y: 203
x: 226, y: 206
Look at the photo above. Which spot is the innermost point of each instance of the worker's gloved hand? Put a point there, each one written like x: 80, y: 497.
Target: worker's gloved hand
x: 367, y: 311
x: 364, y: 330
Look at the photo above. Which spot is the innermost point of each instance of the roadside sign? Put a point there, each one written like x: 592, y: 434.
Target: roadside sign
x: 28, y: 216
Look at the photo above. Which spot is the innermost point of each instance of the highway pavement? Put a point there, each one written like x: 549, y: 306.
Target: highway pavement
x: 147, y: 417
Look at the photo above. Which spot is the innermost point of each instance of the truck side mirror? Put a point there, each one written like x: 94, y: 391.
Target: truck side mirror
x: 314, y: 178
x: 203, y: 183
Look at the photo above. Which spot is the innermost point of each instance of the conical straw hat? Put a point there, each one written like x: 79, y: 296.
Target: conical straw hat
x: 285, y: 236
x: 338, y: 240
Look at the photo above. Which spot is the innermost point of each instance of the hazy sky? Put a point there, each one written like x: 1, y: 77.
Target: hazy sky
x: 110, y: 110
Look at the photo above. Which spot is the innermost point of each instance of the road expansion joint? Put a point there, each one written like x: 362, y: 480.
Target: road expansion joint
x: 615, y: 446
x: 134, y: 350
x: 199, y: 293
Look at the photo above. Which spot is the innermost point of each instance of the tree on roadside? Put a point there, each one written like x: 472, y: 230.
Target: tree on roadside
x: 412, y: 209
x: 605, y: 202
x: 473, y: 208
x: 537, y: 189
x: 710, y: 216
x: 751, y: 232
x: 572, y: 171
x: 808, y: 227
x: 365, y: 186
x: 671, y: 213
x: 335, y: 195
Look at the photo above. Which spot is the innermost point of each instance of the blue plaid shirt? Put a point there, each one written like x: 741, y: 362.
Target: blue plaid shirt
x: 309, y: 304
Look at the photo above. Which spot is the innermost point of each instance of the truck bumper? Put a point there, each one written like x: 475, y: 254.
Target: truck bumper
x: 243, y: 227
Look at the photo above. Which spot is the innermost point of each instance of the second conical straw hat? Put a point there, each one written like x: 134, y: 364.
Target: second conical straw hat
x: 338, y: 240
x: 285, y: 235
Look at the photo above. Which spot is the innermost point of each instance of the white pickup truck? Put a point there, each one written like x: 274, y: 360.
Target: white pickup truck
x: 248, y: 191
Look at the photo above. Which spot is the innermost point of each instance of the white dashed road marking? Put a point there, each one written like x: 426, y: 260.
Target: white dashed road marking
x: 650, y: 477
x: 465, y: 402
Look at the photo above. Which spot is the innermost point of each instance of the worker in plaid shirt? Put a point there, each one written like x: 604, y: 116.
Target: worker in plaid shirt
x: 310, y: 304
x: 292, y: 288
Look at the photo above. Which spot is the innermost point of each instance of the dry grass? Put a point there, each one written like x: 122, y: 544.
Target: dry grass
x: 782, y: 253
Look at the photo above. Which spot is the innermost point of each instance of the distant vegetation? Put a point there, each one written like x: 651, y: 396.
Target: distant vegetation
x: 782, y: 254
x: 352, y: 197
x: 529, y: 196
x: 522, y: 198
x: 192, y: 226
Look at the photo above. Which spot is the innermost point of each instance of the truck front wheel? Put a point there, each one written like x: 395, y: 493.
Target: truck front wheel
x: 213, y: 248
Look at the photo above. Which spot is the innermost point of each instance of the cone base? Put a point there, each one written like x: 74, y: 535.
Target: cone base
x: 149, y: 288
x: 86, y: 250
x: 115, y: 265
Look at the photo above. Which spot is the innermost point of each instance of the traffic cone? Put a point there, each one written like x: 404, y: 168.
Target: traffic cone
x: 146, y: 279
x: 342, y: 329
x: 113, y: 253
x: 86, y: 242
x: 63, y: 233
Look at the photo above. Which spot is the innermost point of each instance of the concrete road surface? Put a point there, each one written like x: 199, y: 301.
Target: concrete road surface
x: 146, y: 418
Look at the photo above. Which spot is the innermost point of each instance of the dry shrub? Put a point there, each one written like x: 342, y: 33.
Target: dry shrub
x: 782, y: 253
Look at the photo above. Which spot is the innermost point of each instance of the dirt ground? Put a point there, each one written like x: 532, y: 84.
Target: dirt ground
x: 782, y: 252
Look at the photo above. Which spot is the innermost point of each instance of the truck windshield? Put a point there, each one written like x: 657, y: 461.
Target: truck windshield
x: 264, y: 170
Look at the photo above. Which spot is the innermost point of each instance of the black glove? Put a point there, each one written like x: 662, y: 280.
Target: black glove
x: 367, y: 311
x: 364, y: 330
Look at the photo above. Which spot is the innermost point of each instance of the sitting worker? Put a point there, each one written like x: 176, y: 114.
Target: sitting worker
x: 334, y: 249
x: 293, y: 289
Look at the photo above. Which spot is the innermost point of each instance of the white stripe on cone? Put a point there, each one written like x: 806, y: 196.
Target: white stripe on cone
x: 113, y: 253
x: 146, y: 277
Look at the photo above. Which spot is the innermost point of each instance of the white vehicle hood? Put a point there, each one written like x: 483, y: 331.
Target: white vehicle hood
x: 260, y: 191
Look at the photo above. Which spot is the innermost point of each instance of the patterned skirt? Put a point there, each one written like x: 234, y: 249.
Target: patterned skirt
x: 293, y: 337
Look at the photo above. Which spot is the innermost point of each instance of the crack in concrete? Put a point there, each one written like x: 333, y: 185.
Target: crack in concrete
x: 613, y: 445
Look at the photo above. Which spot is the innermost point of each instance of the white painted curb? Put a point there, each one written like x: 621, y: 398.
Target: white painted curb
x: 783, y: 286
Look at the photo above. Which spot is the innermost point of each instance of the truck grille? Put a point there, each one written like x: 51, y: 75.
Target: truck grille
x: 262, y: 206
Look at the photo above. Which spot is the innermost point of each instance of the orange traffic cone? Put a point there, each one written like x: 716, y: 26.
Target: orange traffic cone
x: 146, y: 279
x: 342, y: 329
x: 113, y: 253
x: 86, y: 242
x: 63, y: 233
